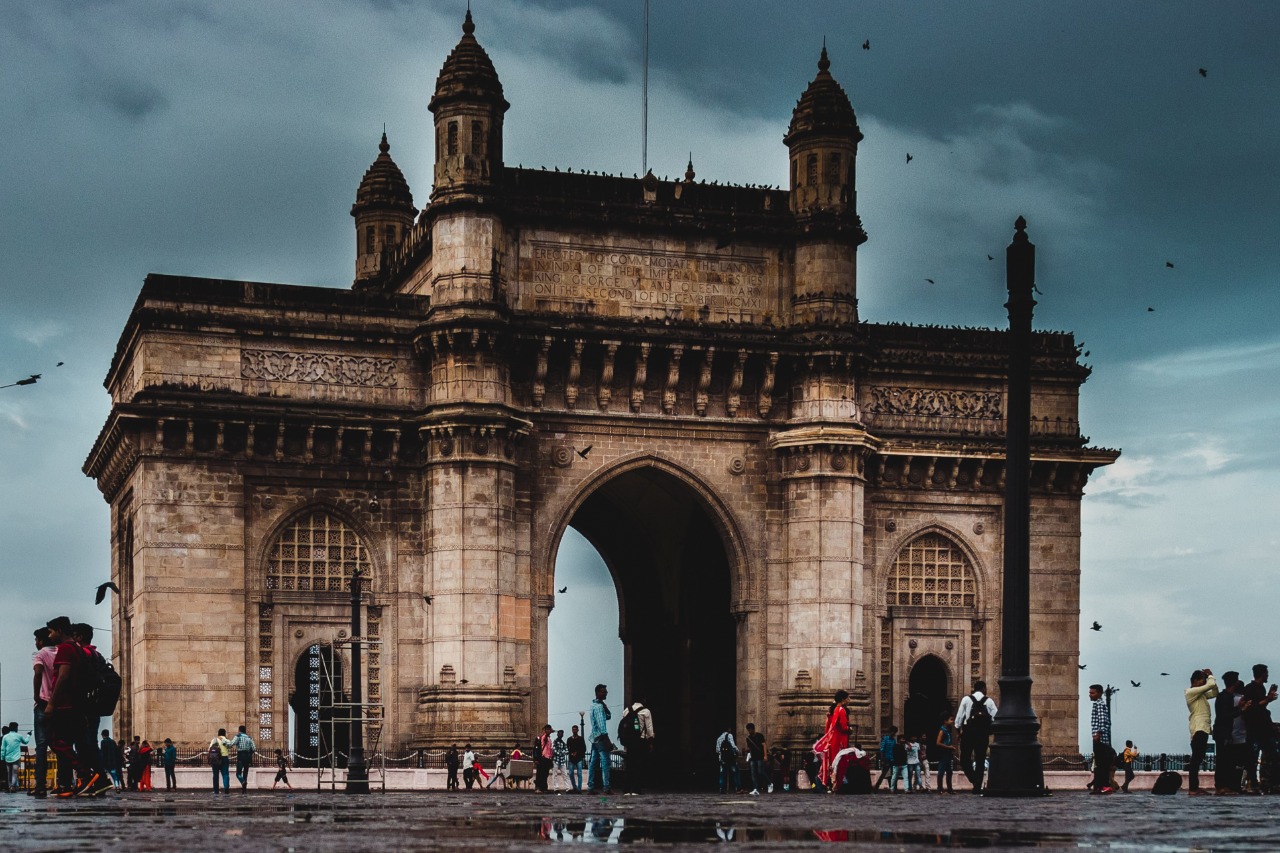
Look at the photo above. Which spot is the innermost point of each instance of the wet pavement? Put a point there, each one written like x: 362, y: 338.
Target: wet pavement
x: 404, y: 821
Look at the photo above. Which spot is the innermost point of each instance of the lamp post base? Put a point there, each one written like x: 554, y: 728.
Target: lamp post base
x: 357, y: 776
x: 1017, y: 761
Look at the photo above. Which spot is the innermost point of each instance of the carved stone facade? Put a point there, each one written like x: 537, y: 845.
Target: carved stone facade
x: 791, y: 500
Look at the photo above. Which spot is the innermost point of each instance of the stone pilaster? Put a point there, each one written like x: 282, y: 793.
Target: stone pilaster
x: 822, y: 584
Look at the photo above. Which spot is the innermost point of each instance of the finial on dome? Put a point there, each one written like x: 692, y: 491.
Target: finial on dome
x: 823, y: 62
x: 384, y: 146
x: 689, y: 174
x: 468, y: 25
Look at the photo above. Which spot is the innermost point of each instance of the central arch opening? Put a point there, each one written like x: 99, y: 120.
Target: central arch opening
x: 928, y: 700
x: 670, y: 570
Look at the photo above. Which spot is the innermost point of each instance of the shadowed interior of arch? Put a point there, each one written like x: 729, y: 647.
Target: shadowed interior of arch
x: 928, y: 699
x: 669, y: 566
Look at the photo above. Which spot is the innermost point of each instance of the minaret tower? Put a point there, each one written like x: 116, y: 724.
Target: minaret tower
x: 383, y: 212
x: 476, y: 672
x: 823, y: 142
x: 468, y: 106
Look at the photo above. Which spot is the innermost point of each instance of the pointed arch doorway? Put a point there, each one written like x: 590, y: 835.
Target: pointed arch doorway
x: 928, y: 696
x: 670, y: 568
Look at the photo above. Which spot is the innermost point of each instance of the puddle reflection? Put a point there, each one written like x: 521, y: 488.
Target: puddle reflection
x: 616, y: 830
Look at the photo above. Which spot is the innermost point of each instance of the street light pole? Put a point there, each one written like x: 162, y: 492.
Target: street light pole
x: 357, y: 770
x: 1017, y: 768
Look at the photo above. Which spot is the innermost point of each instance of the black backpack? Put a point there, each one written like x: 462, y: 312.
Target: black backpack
x: 728, y: 755
x: 100, y: 685
x: 1167, y: 782
x: 979, y: 721
x: 629, y: 728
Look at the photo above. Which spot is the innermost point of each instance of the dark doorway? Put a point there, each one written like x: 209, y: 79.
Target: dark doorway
x: 671, y: 572
x: 928, y: 700
x: 317, y: 686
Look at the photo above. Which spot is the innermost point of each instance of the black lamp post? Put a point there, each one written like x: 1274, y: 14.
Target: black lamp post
x: 357, y: 770
x: 1017, y: 768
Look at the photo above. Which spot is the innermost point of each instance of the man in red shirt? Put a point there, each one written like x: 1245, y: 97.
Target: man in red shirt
x: 73, y: 740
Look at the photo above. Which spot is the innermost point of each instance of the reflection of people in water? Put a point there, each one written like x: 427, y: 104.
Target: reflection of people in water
x: 724, y: 832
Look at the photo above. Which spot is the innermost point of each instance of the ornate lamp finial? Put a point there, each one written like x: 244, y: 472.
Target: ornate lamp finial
x: 468, y: 25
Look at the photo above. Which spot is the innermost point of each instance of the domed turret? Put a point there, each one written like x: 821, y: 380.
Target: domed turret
x: 383, y: 212
x: 823, y: 138
x: 468, y: 106
x: 823, y: 141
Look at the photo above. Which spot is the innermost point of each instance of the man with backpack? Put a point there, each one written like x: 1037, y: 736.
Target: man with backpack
x: 635, y: 732
x: 727, y: 755
x: 74, y: 738
x: 973, y: 719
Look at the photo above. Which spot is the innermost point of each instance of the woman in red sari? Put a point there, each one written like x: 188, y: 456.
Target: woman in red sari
x: 144, y: 779
x: 834, y: 739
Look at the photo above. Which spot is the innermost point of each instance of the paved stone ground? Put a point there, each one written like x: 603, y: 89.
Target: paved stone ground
x: 404, y: 821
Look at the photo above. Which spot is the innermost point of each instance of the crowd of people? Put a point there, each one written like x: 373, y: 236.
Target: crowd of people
x: 90, y: 762
x: 1247, y: 751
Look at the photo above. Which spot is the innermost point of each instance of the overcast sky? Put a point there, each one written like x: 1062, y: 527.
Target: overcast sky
x: 227, y: 140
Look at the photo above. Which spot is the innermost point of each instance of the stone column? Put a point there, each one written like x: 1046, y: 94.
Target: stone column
x: 821, y: 581
x: 479, y: 624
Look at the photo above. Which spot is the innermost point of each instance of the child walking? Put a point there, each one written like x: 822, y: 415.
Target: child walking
x: 282, y: 770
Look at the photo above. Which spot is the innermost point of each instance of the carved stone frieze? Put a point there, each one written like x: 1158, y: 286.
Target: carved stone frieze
x: 935, y: 402
x: 321, y: 368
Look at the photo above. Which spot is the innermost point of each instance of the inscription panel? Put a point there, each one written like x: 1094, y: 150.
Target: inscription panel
x: 645, y: 282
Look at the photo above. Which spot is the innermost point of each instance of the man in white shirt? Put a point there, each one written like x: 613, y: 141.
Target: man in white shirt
x: 973, y: 719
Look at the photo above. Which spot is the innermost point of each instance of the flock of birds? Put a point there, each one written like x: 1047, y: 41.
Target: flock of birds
x: 1097, y: 626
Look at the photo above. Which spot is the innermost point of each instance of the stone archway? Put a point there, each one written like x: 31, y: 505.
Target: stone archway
x: 928, y: 696
x: 317, y: 687
x: 672, y: 573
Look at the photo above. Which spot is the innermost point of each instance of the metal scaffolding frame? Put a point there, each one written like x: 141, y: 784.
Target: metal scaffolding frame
x: 342, y: 716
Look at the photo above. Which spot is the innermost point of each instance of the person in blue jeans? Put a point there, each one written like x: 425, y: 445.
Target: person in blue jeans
x: 600, y: 743
x: 887, y: 744
x: 577, y: 747
x: 727, y: 756
x: 222, y: 764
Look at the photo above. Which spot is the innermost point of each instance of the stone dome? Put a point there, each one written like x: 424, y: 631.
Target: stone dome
x: 468, y: 73
x: 383, y: 184
x: 823, y: 109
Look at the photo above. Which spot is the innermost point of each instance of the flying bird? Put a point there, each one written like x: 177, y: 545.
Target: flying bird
x: 1097, y: 626
x: 428, y: 599
x: 909, y: 157
x: 1149, y: 308
x: 564, y: 589
x: 866, y: 45
x: 990, y: 258
x: 1164, y: 673
x: 1204, y: 72
x: 102, y: 591
x: 1082, y: 665
x: 1168, y: 264
x: 1135, y: 683
x: 584, y: 451
x: 463, y: 681
x: 30, y: 380
x: 59, y: 364
x: 929, y: 280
